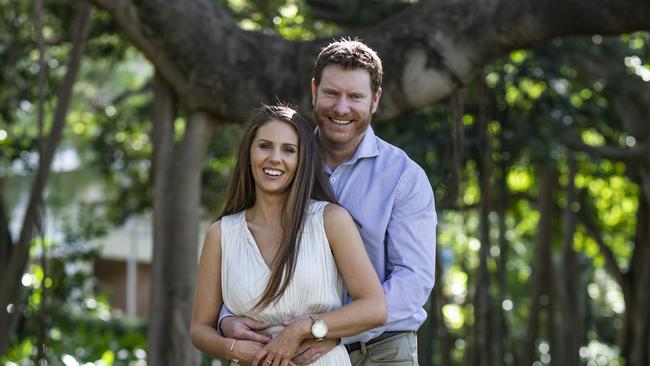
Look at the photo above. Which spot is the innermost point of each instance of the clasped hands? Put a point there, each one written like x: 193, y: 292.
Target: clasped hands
x: 287, y: 348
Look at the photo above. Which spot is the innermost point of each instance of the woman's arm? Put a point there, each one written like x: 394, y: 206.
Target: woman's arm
x: 207, y: 302
x: 368, y: 307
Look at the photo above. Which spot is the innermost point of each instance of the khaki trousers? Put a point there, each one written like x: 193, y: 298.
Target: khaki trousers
x: 398, y: 350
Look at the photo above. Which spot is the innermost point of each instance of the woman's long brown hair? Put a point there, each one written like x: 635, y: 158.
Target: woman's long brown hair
x: 309, y: 182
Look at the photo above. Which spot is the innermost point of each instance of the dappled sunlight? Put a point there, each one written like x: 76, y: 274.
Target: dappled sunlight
x: 453, y: 316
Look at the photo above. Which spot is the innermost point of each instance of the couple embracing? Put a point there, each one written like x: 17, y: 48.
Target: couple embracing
x: 324, y: 253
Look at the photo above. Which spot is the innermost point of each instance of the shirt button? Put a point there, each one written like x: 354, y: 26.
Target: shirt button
x: 332, y: 179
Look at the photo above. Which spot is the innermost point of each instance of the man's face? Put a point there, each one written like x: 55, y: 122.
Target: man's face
x: 343, y: 105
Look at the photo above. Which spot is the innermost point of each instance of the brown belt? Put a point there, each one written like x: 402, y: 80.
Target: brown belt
x: 357, y: 345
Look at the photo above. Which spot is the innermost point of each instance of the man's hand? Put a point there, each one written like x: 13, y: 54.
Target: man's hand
x: 244, y: 328
x: 245, y: 351
x: 310, y: 351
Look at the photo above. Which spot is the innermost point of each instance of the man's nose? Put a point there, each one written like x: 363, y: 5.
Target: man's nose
x: 341, y: 106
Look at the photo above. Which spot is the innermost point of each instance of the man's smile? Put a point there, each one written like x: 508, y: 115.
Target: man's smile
x: 341, y: 121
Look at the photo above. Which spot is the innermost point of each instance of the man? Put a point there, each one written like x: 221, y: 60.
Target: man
x: 387, y: 194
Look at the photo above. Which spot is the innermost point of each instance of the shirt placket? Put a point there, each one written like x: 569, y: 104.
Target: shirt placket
x: 336, y: 179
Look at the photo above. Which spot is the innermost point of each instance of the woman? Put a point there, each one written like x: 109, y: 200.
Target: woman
x: 279, y: 250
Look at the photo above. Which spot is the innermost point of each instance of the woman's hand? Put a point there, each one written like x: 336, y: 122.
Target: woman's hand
x: 283, y: 347
x: 245, y: 351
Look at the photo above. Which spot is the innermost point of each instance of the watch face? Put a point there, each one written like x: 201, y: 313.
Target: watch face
x: 319, y: 329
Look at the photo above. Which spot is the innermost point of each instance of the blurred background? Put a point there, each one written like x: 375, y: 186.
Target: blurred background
x: 540, y: 167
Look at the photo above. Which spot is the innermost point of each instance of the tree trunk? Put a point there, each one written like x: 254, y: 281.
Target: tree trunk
x: 426, y: 334
x: 501, y: 334
x: 6, y: 241
x: 482, y: 355
x: 163, y: 144
x: 170, y: 325
x: 184, y: 250
x: 442, y: 333
x: 542, y: 261
x: 11, y: 290
x: 457, y: 147
x: 637, y: 317
x: 570, y: 321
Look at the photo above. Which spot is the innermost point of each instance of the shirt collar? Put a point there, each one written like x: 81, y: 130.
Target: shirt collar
x: 367, y: 147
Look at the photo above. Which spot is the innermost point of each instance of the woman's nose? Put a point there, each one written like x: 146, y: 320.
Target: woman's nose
x: 275, y: 155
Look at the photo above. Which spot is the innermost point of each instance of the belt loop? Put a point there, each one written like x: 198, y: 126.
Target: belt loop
x: 364, y: 349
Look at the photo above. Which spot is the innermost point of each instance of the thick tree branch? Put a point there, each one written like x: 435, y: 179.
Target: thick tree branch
x: 429, y: 49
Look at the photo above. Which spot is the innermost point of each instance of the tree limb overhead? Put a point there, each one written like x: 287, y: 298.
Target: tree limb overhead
x: 429, y: 49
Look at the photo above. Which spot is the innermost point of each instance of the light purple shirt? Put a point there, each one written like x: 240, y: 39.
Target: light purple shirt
x: 390, y: 198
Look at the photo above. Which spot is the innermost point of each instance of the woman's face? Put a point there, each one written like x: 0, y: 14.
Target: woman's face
x: 274, y: 157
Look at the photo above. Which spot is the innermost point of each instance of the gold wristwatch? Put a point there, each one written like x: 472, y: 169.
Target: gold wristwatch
x: 318, y: 328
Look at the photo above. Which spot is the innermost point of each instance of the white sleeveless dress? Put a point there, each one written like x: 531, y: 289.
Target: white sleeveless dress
x: 316, y: 285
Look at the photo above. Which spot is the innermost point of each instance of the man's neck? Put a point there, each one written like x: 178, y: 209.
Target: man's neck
x: 335, y: 155
x: 334, y: 158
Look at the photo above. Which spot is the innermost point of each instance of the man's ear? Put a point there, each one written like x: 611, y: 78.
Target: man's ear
x: 313, y: 92
x: 375, y: 100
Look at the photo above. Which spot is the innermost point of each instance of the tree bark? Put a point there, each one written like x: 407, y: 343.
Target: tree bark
x: 176, y: 231
x: 426, y: 334
x: 163, y: 144
x: 540, y: 279
x: 502, y: 338
x: 570, y: 320
x: 637, y: 317
x: 439, y: 300
x: 429, y: 49
x: 181, y: 252
x: 11, y: 291
x: 6, y: 241
x: 41, y: 337
x: 482, y: 355
x: 457, y: 147
x: 185, y: 204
